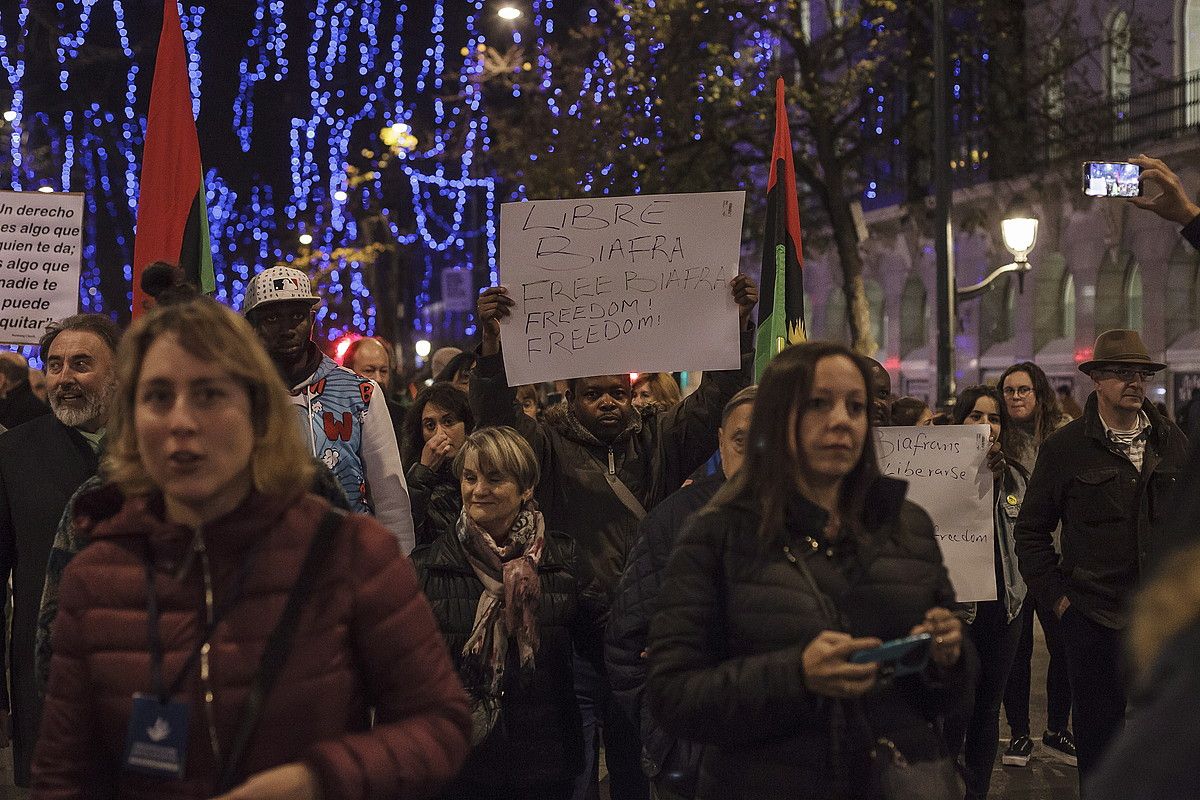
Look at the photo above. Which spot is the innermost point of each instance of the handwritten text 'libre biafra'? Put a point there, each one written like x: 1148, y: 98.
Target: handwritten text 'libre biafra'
x: 569, y: 254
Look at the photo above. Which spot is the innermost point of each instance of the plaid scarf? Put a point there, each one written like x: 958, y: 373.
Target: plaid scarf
x: 511, y: 596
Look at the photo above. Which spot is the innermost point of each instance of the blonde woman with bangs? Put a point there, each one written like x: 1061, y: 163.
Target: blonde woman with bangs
x: 225, y: 633
x: 512, y: 601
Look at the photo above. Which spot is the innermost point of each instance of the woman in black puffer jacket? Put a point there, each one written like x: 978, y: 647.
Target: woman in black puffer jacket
x: 512, y: 601
x: 805, y: 557
x: 435, y: 427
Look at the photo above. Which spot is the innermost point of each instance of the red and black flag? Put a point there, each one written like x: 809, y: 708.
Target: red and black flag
x: 781, y: 304
x: 172, y: 217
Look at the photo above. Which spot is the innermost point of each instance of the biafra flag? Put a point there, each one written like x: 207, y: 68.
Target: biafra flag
x: 172, y: 217
x: 781, y: 303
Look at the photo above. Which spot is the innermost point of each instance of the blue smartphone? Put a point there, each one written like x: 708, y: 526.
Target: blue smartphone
x: 898, y: 657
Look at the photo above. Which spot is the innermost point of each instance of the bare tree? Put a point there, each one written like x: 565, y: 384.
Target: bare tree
x: 673, y: 95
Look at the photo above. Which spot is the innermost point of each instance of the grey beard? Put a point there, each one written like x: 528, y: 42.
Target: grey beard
x: 94, y: 407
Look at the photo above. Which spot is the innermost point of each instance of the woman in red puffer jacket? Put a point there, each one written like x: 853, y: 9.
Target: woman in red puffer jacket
x: 197, y: 544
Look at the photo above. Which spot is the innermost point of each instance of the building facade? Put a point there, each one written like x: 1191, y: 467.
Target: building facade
x: 1098, y: 263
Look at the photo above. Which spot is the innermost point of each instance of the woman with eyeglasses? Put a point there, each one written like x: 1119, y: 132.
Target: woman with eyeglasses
x: 226, y: 634
x: 1029, y: 414
x: 805, y: 558
x: 995, y: 627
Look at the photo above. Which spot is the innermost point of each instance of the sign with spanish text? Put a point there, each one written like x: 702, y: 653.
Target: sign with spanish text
x: 41, y: 248
x: 620, y: 284
x: 947, y: 474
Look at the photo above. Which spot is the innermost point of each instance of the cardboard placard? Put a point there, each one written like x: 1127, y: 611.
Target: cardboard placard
x: 947, y: 474
x: 620, y: 284
x: 41, y: 251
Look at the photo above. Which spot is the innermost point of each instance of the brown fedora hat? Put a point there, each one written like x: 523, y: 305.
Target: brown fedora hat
x: 1120, y: 347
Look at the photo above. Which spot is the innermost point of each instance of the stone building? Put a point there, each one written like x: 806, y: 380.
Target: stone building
x: 1098, y: 263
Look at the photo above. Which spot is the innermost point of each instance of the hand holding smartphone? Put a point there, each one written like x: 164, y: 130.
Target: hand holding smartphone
x: 898, y: 657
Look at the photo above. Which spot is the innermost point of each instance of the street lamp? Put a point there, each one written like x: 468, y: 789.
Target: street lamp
x: 508, y: 13
x: 1020, y: 235
x: 1019, y: 232
x: 422, y: 348
x: 10, y: 116
x: 306, y: 239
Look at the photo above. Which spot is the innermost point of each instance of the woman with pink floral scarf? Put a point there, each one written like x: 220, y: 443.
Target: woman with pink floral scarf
x: 512, y: 599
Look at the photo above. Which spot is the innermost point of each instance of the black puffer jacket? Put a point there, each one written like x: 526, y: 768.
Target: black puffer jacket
x: 653, y: 457
x: 673, y: 762
x: 538, y: 738
x: 436, y: 501
x: 735, y: 616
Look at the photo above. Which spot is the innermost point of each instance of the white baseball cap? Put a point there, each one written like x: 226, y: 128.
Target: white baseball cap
x: 277, y: 285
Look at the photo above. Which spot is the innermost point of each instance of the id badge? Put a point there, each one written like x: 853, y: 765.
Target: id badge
x: 157, y: 740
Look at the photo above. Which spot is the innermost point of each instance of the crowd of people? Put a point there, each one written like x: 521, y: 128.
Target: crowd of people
x: 242, y: 570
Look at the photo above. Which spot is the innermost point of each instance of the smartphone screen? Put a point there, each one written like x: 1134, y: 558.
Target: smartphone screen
x: 1112, y: 179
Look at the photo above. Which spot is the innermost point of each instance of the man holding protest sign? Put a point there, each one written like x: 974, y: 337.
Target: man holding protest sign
x: 603, y: 465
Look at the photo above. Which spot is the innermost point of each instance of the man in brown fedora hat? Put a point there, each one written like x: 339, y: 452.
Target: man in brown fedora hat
x: 1105, y: 477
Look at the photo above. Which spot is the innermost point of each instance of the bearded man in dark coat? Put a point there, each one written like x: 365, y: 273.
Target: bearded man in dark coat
x: 42, y: 462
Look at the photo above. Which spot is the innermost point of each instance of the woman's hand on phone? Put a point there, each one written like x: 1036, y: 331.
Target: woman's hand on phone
x: 947, y: 632
x: 828, y: 672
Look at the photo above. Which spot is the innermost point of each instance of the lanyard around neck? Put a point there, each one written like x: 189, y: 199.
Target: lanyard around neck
x: 218, y: 613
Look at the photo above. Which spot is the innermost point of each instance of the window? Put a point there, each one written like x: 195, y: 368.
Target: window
x: 1191, y: 59
x: 879, y: 316
x: 836, y: 329
x: 1112, y: 290
x: 914, y: 316
x: 1049, y: 296
x: 1133, y: 297
x: 1054, y: 97
x: 1120, y: 72
x: 997, y: 312
x: 1067, y: 319
x: 1183, y: 271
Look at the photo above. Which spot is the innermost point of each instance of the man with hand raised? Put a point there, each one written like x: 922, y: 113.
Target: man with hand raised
x: 604, y: 465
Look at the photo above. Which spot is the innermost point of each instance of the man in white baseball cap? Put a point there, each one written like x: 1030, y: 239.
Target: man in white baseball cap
x: 343, y: 415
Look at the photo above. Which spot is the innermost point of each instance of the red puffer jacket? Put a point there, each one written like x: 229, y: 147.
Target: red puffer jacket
x: 366, y: 637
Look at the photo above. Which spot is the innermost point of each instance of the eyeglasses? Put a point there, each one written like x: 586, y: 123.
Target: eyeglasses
x: 1018, y: 391
x: 1126, y: 374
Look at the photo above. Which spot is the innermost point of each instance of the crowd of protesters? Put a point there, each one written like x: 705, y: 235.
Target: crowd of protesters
x: 243, y: 570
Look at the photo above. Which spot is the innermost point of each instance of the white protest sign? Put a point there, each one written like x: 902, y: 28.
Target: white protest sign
x: 41, y: 247
x: 620, y: 284
x: 457, y: 292
x: 947, y: 474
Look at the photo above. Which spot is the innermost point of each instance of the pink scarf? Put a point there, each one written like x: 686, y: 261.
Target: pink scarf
x: 512, y: 593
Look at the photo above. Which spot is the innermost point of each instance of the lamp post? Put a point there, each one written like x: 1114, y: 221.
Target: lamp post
x: 1019, y: 230
x: 943, y: 236
x: 1020, y: 235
